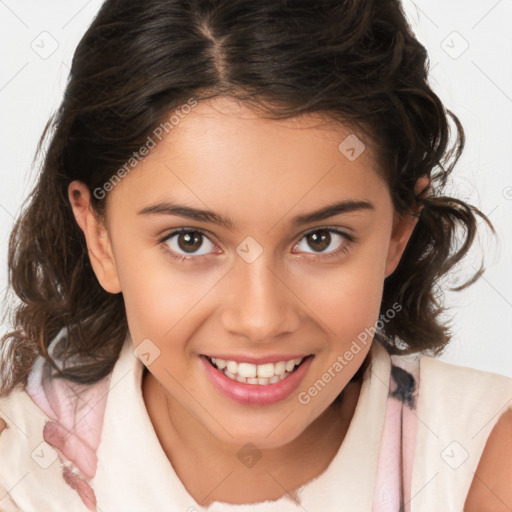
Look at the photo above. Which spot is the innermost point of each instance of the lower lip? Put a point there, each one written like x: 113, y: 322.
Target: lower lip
x: 255, y: 394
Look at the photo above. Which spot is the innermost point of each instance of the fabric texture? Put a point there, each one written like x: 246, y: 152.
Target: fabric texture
x: 417, y: 434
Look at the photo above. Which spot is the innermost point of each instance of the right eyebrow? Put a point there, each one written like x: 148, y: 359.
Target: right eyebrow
x: 188, y: 212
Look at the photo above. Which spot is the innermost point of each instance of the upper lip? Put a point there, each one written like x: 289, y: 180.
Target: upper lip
x: 255, y: 359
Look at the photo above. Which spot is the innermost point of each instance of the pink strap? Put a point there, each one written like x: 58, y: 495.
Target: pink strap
x: 396, y: 456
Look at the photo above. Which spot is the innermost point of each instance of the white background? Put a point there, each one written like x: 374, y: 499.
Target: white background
x: 470, y: 50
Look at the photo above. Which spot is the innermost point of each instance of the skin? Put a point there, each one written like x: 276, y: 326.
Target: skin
x: 491, y: 489
x: 292, y: 299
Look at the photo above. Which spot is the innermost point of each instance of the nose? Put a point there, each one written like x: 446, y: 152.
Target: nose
x: 258, y: 302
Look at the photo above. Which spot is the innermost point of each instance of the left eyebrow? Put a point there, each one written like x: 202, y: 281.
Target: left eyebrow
x: 332, y: 210
x: 188, y: 212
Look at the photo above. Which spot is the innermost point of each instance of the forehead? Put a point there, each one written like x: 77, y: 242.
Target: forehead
x: 212, y: 124
x: 223, y: 153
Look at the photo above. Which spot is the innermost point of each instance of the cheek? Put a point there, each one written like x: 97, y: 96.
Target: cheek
x: 156, y: 302
x: 151, y: 295
x: 162, y: 301
x: 346, y: 298
x: 347, y: 304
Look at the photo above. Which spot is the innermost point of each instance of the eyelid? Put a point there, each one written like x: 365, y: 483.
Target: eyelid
x: 189, y: 229
x: 311, y: 255
x: 181, y: 257
x: 337, y: 229
x: 336, y: 253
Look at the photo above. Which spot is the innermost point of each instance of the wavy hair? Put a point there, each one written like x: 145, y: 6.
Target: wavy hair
x: 357, y: 62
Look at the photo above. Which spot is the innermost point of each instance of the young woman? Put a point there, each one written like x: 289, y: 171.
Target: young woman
x: 229, y: 270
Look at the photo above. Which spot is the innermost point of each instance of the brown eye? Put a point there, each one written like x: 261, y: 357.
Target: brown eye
x: 188, y: 242
x: 321, y: 239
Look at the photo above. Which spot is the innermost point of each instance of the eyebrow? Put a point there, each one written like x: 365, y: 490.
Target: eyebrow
x: 180, y: 210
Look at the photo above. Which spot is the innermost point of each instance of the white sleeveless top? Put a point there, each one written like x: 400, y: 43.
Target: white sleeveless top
x: 415, y: 439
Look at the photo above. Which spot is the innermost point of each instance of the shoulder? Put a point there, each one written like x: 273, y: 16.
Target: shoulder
x: 16, y: 408
x: 491, y: 489
x: 472, y: 408
x: 464, y: 386
x: 19, y: 416
x: 48, y: 456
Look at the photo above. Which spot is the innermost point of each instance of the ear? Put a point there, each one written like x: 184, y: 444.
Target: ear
x: 96, y: 236
x: 403, y: 227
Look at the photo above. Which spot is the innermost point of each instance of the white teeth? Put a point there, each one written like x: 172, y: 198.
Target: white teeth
x: 262, y: 374
x: 266, y: 370
x: 232, y: 367
x: 247, y: 370
x: 220, y: 363
x: 279, y: 368
x: 290, y: 365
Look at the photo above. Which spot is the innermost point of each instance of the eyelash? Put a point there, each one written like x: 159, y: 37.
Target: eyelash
x: 349, y: 239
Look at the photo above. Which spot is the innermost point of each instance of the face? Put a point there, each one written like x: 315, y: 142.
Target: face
x: 268, y: 285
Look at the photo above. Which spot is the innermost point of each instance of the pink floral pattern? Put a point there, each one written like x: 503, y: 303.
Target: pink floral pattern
x: 74, y: 429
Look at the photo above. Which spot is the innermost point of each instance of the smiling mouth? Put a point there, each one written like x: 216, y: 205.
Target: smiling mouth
x: 262, y: 374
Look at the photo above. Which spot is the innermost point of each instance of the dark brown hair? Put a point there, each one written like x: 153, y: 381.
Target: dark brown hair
x: 356, y: 62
